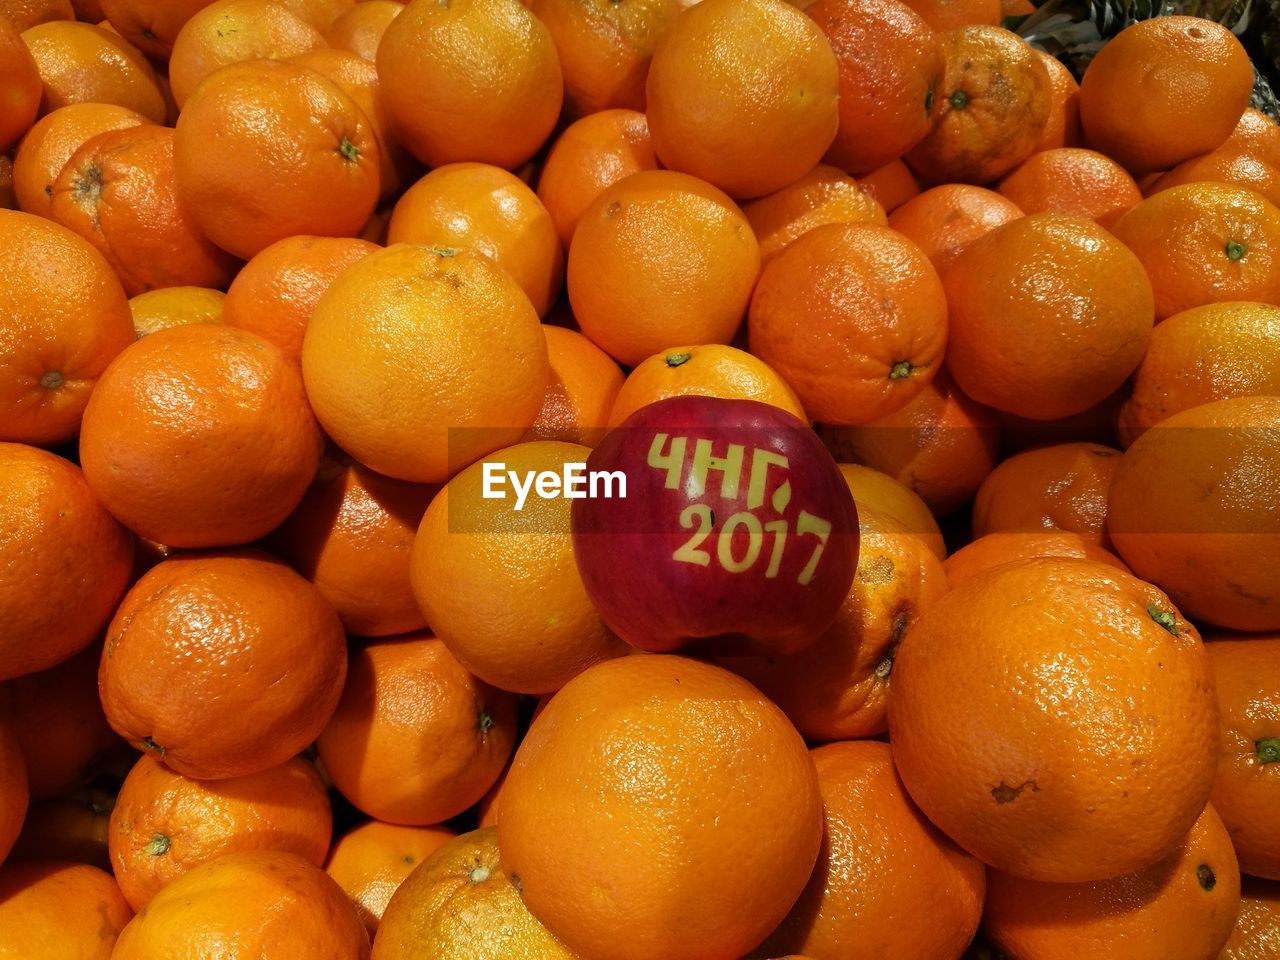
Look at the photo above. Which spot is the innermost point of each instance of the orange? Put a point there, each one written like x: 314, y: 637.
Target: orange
x: 590, y: 156
x: 81, y: 63
x: 884, y: 494
x: 944, y: 220
x: 151, y: 25
x: 952, y: 14
x: 161, y: 309
x: 381, y: 331
x: 853, y: 318
x: 1055, y: 347
x: 1207, y: 353
x: 50, y: 143
x: 583, y: 387
x: 1205, y: 243
x: 233, y: 31
x: 461, y: 905
x: 267, y: 150
x: 1063, y: 126
x: 891, y: 185
x: 1047, y: 786
x: 1010, y: 546
x: 890, y: 63
x: 1225, y: 165
x: 1165, y: 90
x: 14, y: 796
x: 500, y: 586
x: 474, y: 206
x: 1245, y: 672
x: 275, y: 293
x: 165, y: 824
x: 1192, y: 509
x: 1061, y: 487
x: 63, y: 318
x: 1257, y: 135
x: 255, y: 692
x: 714, y: 74
x: 360, y: 29
x: 839, y: 687
x: 321, y: 14
x: 118, y: 192
x: 823, y: 195
x: 490, y: 72
x: 416, y: 739
x: 27, y: 13
x: 373, y: 860
x: 1082, y: 182
x: 351, y: 536
x: 1094, y: 425
x: 487, y: 808
x: 20, y: 81
x: 58, y: 720
x: 66, y: 830
x: 596, y: 772
x: 59, y: 910
x: 1181, y: 908
x: 262, y: 904
x: 941, y: 445
x: 67, y: 561
x: 244, y: 435
x: 634, y: 297
x: 995, y: 100
x: 1257, y: 931
x: 887, y: 883
x: 605, y: 48
x: 713, y: 370
x: 8, y: 199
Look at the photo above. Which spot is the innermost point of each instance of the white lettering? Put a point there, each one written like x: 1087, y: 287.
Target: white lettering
x: 494, y: 477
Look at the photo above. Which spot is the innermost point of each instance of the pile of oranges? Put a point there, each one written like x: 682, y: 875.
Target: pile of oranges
x: 280, y: 680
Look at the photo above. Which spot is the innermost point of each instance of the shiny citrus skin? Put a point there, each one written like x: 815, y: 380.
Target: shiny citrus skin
x: 887, y: 883
x: 595, y: 772
x: 164, y: 824
x: 590, y: 156
x: 1257, y: 931
x: 1225, y: 165
x: 416, y: 739
x: 118, y: 191
x: 1082, y: 182
x: 1191, y: 78
x: 222, y: 664
x: 81, y: 63
x: 168, y: 307
x: 262, y: 904
x: 360, y: 29
x: 711, y: 78
x: 884, y: 494
x: 63, y: 318
x: 50, y: 909
x: 268, y: 150
x: 1208, y: 353
x: 20, y: 81
x: 1246, y: 673
x: 891, y: 185
x: 1205, y: 243
x: 462, y: 905
x: 151, y: 25
x: 501, y: 587
x: 488, y: 67
x: 1061, y: 487
x: 581, y: 391
x: 67, y: 561
x: 941, y: 445
x: 1179, y: 908
x: 823, y: 195
x: 634, y: 296
x: 953, y: 14
x: 994, y: 97
x: 712, y: 370
x: 27, y: 13
x: 230, y: 406
x: 944, y: 220
x: 14, y: 796
x: 485, y: 209
x: 1010, y: 546
x: 983, y: 671
x: 1048, y: 315
x: 838, y: 688
x: 420, y: 360
x: 1063, y: 126
x: 874, y: 318
x: 1191, y: 509
x: 372, y: 860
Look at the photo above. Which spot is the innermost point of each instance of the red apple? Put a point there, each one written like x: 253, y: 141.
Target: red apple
x: 737, y: 529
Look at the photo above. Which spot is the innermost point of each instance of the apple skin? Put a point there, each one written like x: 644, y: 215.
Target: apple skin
x: 661, y: 585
